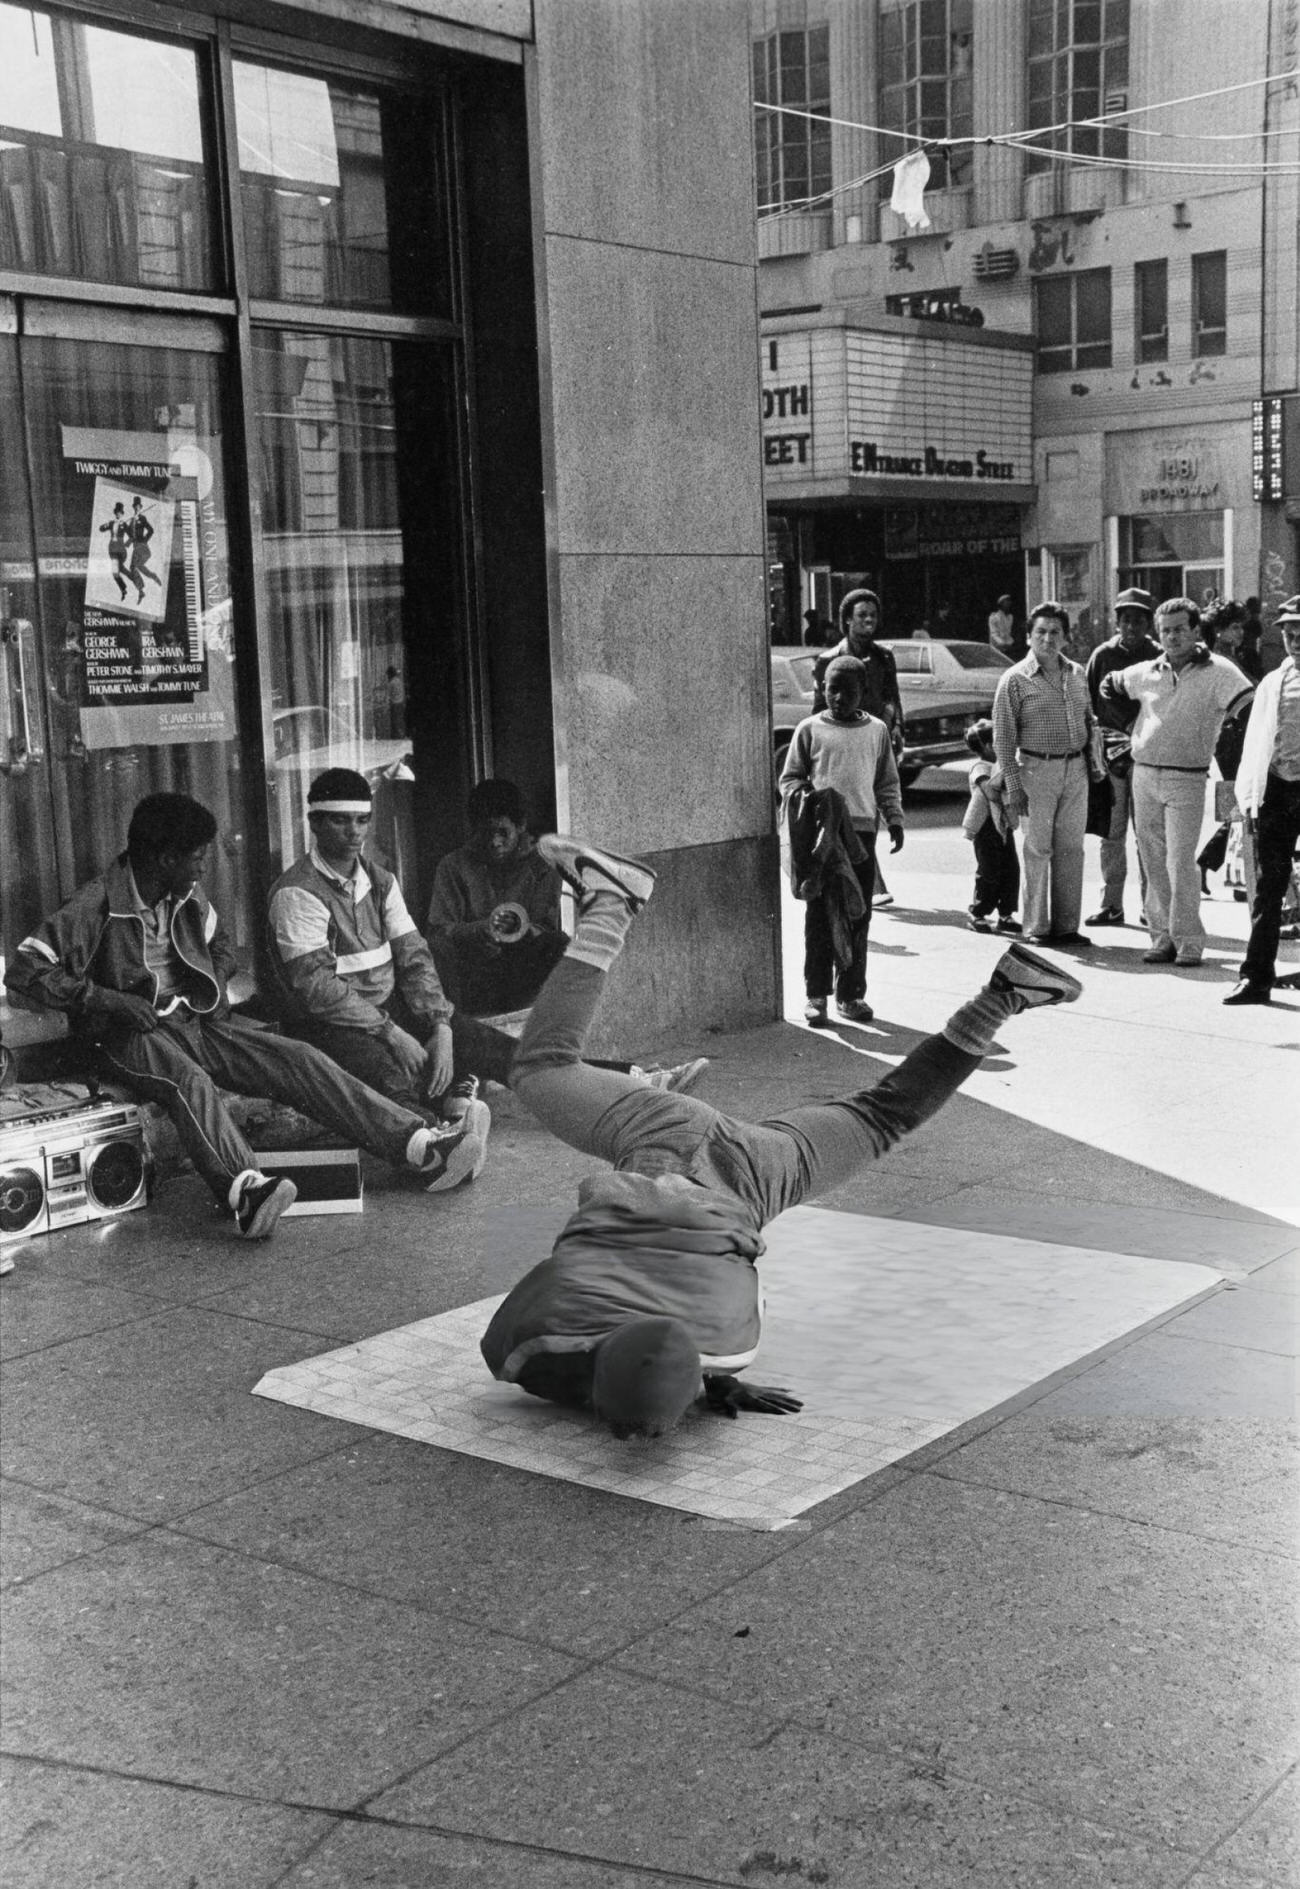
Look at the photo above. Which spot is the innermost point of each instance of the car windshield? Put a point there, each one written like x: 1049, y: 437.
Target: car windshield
x: 802, y: 667
x: 911, y: 659
x: 976, y: 656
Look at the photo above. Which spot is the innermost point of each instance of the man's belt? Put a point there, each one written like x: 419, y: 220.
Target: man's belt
x: 1168, y: 767
x: 1034, y: 755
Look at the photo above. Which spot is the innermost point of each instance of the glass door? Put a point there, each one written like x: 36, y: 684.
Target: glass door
x: 119, y: 675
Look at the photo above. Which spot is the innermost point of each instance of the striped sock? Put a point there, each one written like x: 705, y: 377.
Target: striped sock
x: 603, y: 920
x: 974, y: 1026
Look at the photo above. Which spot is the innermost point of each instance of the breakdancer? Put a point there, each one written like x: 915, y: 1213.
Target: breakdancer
x: 649, y: 1301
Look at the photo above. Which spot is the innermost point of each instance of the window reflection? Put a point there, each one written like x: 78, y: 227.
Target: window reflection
x: 101, y: 153
x: 342, y: 194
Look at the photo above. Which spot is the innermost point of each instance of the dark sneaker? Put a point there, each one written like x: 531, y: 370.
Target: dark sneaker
x: 1008, y: 924
x: 680, y: 1077
x: 453, y: 1104
x: 1070, y: 938
x: 457, y: 1152
x: 1038, y: 980
x: 814, y: 1011
x: 588, y: 868
x: 1247, y: 993
x: 977, y: 921
x: 1108, y: 915
x: 1161, y: 954
x: 262, y: 1199
x: 857, y: 1010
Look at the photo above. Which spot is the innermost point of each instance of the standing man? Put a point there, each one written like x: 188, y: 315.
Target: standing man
x: 1132, y: 642
x: 1042, y: 721
x: 1002, y: 627
x: 859, y: 627
x: 1268, y: 791
x: 1184, y: 697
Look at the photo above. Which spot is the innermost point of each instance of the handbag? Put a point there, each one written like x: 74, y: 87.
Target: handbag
x: 1101, y: 806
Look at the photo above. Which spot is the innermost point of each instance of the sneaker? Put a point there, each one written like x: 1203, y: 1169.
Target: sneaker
x: 1189, y: 959
x: 1160, y: 954
x: 1108, y: 915
x: 977, y: 922
x: 457, y: 1152
x: 453, y: 1104
x: 881, y: 901
x: 857, y: 1010
x: 588, y: 869
x: 1247, y: 993
x: 262, y: 1199
x: 814, y: 1011
x: 1038, y: 980
x: 680, y: 1076
x: 1070, y: 938
x: 1008, y: 924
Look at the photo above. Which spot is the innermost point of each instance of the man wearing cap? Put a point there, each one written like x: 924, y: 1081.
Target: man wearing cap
x: 1042, y: 724
x: 1183, y: 697
x: 1132, y: 642
x: 1268, y: 792
x: 356, y: 978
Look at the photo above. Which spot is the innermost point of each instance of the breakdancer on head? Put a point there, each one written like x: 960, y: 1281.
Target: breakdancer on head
x: 649, y: 1302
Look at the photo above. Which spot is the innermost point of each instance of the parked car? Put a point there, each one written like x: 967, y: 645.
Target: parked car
x: 792, y: 693
x: 945, y: 686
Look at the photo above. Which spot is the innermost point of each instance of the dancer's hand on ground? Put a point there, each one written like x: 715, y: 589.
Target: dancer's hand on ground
x: 728, y: 1396
x: 438, y: 1061
x: 895, y: 839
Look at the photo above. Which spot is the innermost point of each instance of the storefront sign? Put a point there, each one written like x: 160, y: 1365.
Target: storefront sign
x: 944, y: 531
x: 1186, y: 475
x: 866, y: 456
x: 936, y: 305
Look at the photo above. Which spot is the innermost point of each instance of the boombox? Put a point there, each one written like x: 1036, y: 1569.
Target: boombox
x: 60, y: 1166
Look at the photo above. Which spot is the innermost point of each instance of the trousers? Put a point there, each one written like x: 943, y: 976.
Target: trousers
x: 478, y: 1049
x: 1277, y: 830
x: 819, y: 966
x: 1114, y: 848
x: 771, y: 1165
x: 1168, y: 809
x: 1053, y: 831
x: 997, y: 872
x: 184, y: 1061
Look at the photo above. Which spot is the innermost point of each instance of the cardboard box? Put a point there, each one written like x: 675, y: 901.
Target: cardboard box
x: 328, y: 1179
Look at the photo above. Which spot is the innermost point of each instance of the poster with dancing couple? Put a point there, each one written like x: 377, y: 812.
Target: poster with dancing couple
x: 129, y: 560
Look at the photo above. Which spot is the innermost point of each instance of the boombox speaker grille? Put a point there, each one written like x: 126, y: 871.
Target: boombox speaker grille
x: 115, y: 1174
x: 22, y: 1195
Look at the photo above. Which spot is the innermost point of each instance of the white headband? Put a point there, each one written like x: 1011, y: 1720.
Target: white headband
x: 339, y: 806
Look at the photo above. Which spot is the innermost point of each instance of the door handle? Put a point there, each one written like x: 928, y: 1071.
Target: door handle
x: 20, y: 742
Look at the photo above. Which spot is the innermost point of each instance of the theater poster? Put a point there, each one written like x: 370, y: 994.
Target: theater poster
x: 152, y: 645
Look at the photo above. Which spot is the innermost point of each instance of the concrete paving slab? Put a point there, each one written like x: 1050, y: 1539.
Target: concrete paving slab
x: 1268, y: 1842
x: 905, y: 1333
x: 626, y: 1770
x: 1160, y: 1376
x: 66, y: 1826
x: 41, y: 1531
x: 40, y: 1308
x: 152, y: 1427
x: 1251, y: 1319
x: 1225, y: 1480
x: 390, y: 1856
x: 1089, y: 1659
x: 551, y: 1561
x: 1280, y: 1275
x: 191, y: 1665
x: 1207, y: 1232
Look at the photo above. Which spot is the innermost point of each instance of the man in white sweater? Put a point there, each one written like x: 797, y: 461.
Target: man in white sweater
x: 848, y: 750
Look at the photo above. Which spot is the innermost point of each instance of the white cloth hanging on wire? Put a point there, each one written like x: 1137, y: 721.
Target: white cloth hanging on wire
x: 911, y: 175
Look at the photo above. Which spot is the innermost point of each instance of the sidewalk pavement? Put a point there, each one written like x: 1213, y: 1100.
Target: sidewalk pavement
x: 246, y: 1645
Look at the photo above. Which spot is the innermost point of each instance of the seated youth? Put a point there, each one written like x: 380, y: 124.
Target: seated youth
x: 649, y: 1301
x: 138, y: 961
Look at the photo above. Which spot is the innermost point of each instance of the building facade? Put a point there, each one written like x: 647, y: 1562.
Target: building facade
x: 1060, y: 383
x: 377, y: 389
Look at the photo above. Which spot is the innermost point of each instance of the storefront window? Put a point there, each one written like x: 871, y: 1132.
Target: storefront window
x: 1174, y: 554
x: 792, y: 152
x: 926, y: 73
x: 342, y: 194
x: 101, y: 155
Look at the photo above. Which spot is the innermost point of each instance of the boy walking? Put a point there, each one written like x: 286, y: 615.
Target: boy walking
x: 990, y: 827
x: 649, y: 1301
x: 849, y: 751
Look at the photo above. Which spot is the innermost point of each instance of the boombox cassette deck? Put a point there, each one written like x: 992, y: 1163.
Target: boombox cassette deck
x: 61, y: 1166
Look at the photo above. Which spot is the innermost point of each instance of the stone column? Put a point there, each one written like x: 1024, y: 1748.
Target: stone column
x: 1000, y: 92
x: 853, y: 97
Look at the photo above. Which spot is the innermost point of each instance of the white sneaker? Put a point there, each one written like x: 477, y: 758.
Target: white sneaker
x: 680, y: 1077
x: 1038, y: 980
x: 589, y: 868
x: 457, y: 1152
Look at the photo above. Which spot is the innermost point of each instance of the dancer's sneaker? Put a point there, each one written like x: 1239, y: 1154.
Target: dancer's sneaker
x: 457, y: 1151
x: 262, y: 1199
x: 679, y: 1077
x: 589, y: 868
x: 453, y: 1103
x: 1038, y: 980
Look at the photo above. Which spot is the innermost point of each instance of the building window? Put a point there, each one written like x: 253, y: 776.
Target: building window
x: 926, y: 58
x: 1078, y: 69
x: 1210, y: 302
x: 792, y: 154
x: 1151, y: 298
x: 1174, y: 554
x: 1073, y: 321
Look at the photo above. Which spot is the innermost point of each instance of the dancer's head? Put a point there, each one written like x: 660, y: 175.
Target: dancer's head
x: 495, y: 813
x: 647, y: 1376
